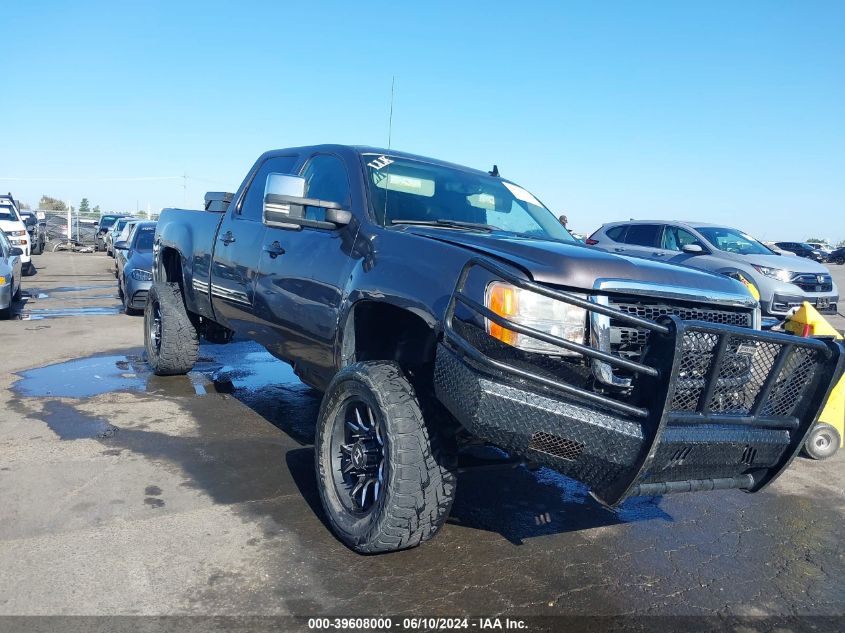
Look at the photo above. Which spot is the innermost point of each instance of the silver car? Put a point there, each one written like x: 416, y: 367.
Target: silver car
x: 783, y: 282
x: 11, y: 269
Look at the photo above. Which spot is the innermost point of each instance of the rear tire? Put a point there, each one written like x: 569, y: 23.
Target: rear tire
x: 840, y: 260
x: 170, y: 338
x: 413, y: 479
x: 823, y: 442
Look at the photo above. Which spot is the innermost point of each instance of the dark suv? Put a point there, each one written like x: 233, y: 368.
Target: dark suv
x: 802, y: 249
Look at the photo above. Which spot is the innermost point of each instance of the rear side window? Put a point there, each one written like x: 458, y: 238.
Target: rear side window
x: 617, y: 233
x: 643, y: 234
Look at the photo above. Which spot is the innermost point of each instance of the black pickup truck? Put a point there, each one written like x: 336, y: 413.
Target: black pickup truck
x: 440, y: 308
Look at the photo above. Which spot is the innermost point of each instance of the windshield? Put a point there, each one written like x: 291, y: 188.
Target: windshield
x: 144, y: 239
x: 119, y: 224
x: 107, y: 220
x: 407, y: 190
x: 8, y: 213
x: 733, y: 241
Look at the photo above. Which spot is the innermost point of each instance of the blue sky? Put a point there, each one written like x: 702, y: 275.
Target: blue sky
x: 730, y: 112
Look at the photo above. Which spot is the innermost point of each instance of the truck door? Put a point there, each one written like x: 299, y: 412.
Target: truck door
x: 302, y: 274
x: 238, y: 247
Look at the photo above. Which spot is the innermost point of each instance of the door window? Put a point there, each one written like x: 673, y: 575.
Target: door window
x: 5, y: 246
x: 643, y: 234
x: 325, y: 179
x: 253, y: 204
x: 675, y: 238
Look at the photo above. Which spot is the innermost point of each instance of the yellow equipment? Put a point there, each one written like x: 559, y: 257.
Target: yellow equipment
x: 826, y: 437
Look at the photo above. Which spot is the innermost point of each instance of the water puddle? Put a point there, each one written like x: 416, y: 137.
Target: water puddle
x: 574, y: 492
x: 93, y: 297
x: 81, y: 378
x: 77, y: 288
x: 248, y: 366
x: 234, y: 368
x: 37, y: 314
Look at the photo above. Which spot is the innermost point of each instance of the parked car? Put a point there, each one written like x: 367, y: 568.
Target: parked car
x: 837, y: 256
x: 439, y: 307
x: 135, y: 257
x: 783, y: 282
x: 15, y: 229
x: 123, y: 238
x: 112, y: 235
x: 105, y: 223
x: 802, y: 249
x: 37, y: 232
x: 774, y: 247
x: 825, y: 248
x: 11, y: 270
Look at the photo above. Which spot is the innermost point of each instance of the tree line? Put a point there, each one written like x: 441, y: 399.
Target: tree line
x: 49, y: 203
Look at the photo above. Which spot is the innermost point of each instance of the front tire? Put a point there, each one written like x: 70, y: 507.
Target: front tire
x: 385, y: 481
x: 125, y: 299
x: 29, y: 269
x: 170, y: 338
x: 823, y: 442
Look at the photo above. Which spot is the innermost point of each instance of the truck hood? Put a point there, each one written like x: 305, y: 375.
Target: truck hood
x: 580, y: 267
x: 12, y: 225
x: 784, y: 262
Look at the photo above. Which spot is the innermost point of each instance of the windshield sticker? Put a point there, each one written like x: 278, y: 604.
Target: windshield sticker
x: 380, y: 162
x: 521, y: 194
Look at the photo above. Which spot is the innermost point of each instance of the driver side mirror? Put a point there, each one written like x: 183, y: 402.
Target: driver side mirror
x: 285, y: 202
x: 121, y: 245
x: 692, y: 249
x: 15, y: 252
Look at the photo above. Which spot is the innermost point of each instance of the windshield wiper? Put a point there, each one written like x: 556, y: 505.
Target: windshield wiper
x: 454, y: 224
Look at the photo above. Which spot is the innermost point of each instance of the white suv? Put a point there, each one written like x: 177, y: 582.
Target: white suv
x: 15, y: 229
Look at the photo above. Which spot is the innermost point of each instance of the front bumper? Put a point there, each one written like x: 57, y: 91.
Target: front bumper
x: 782, y: 303
x: 5, y: 296
x: 720, y: 407
x: 137, y: 292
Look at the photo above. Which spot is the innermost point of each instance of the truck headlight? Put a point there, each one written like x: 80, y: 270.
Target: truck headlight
x: 10, y: 233
x: 774, y: 273
x: 533, y: 310
x: 141, y: 275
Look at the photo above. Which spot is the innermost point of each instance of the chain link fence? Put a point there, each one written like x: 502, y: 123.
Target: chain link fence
x: 82, y: 230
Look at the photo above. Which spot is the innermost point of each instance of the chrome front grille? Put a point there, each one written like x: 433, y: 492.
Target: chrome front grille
x: 812, y: 282
x: 614, y: 336
x: 629, y: 341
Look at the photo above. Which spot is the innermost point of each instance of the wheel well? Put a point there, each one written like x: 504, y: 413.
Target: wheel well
x: 381, y: 331
x: 170, y: 266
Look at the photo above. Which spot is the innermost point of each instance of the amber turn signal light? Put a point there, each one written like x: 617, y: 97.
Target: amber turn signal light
x: 502, y: 299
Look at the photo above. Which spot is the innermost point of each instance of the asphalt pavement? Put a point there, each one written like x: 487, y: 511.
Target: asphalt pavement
x: 127, y: 493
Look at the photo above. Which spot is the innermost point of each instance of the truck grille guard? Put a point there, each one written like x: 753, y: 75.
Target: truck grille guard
x: 695, y: 380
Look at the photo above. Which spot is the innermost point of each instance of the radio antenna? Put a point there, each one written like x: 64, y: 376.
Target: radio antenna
x: 390, y: 118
